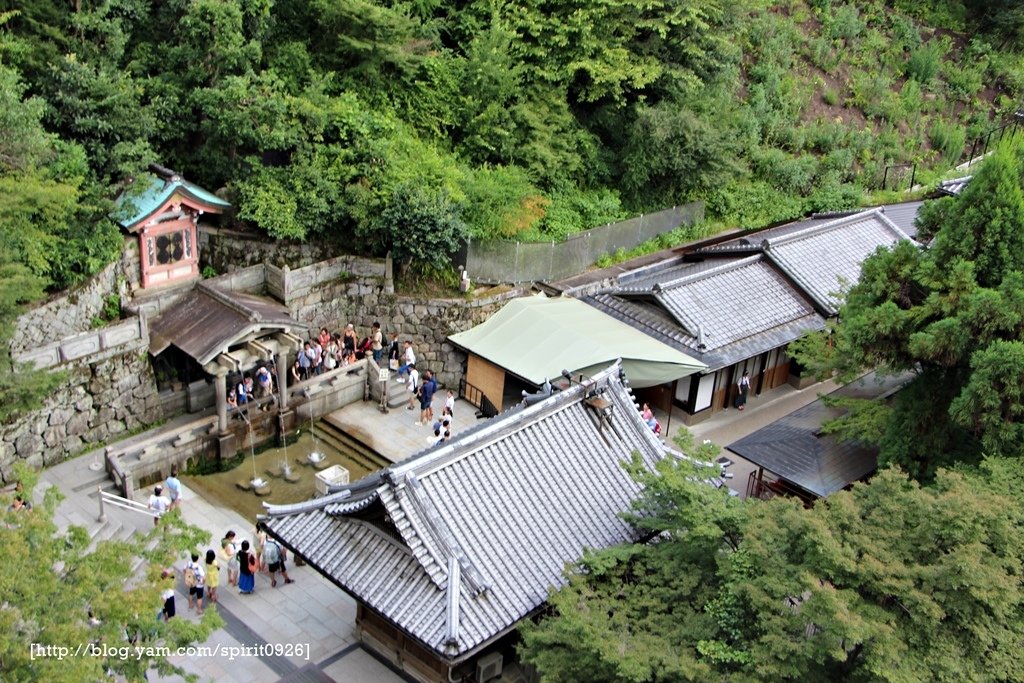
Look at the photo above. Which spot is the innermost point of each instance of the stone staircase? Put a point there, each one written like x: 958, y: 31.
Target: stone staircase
x: 332, y: 434
x: 80, y: 486
x: 398, y: 394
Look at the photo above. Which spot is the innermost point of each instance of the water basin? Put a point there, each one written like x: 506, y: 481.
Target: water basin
x: 223, y: 487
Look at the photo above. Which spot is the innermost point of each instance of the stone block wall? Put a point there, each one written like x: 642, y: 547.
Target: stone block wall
x: 105, y: 395
x: 227, y: 250
x: 68, y: 314
x: 425, y: 322
x: 349, y: 289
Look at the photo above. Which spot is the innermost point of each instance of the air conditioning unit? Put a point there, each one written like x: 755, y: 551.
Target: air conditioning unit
x: 488, y: 667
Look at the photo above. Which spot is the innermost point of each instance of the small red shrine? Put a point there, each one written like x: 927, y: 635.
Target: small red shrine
x: 163, y: 209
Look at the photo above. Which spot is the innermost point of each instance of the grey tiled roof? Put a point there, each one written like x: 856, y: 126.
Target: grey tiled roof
x: 825, y: 259
x: 902, y: 215
x: 954, y: 186
x: 793, y: 447
x: 721, y: 314
x: 490, y: 518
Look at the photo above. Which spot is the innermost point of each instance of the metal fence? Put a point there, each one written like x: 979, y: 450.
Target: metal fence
x: 500, y: 261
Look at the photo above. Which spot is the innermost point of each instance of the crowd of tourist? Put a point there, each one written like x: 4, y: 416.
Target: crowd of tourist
x: 327, y: 351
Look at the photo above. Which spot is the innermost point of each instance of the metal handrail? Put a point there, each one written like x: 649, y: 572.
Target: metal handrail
x: 124, y: 503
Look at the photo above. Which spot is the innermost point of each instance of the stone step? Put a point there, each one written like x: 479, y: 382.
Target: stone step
x: 352, y: 448
x: 350, y: 453
x: 336, y: 430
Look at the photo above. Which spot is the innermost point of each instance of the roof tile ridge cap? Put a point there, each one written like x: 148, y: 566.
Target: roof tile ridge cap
x: 623, y: 395
x: 732, y: 264
x: 435, y: 560
x: 223, y: 297
x: 824, y: 227
x: 645, y: 270
x: 504, y: 424
x: 314, y: 504
x: 888, y: 222
x: 444, y: 537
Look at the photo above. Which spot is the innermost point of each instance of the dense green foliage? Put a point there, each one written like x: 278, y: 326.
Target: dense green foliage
x: 953, y: 314
x: 52, y: 582
x: 887, y: 582
x: 533, y: 119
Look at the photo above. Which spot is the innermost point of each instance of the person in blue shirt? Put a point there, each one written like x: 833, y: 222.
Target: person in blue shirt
x: 173, y: 486
x: 427, y: 389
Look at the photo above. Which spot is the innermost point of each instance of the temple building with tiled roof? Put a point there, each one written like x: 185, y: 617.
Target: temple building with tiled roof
x: 446, y: 552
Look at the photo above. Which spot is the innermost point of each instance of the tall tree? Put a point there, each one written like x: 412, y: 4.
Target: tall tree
x: 953, y: 314
x: 887, y: 582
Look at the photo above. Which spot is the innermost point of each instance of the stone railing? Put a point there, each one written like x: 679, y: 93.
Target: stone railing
x: 137, y: 460
x: 329, y: 391
x: 299, y: 282
x: 87, y: 343
x: 150, y: 457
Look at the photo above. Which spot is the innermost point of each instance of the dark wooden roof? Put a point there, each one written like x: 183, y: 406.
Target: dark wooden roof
x: 794, y: 449
x: 209, y: 321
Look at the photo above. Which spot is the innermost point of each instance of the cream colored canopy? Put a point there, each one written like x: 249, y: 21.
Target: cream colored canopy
x: 537, y: 337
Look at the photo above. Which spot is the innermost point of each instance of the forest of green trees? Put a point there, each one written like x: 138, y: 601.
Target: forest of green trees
x: 407, y: 124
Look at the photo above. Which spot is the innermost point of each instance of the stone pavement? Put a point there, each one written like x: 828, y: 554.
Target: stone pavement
x: 310, y: 612
x: 395, y: 434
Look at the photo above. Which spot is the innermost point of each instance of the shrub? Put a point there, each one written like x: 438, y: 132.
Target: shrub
x: 904, y: 33
x: 924, y: 62
x: 830, y: 97
x: 790, y: 174
x: 844, y: 24
x: 948, y: 139
x: 964, y: 82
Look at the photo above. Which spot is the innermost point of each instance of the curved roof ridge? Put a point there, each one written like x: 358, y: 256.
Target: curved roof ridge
x: 878, y: 212
x: 355, y: 496
x: 704, y: 274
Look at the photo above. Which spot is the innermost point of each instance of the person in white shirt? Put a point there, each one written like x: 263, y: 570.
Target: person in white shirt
x: 410, y: 361
x: 158, y: 503
x: 413, y: 385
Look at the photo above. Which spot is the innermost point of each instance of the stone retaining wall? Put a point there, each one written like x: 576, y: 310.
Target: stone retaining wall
x: 68, y: 314
x: 226, y: 250
x: 110, y: 389
x: 426, y: 322
x: 105, y: 395
x: 79, y: 346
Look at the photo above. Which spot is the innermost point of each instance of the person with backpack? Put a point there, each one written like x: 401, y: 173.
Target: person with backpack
x: 248, y: 565
x: 273, y: 559
x: 195, y: 579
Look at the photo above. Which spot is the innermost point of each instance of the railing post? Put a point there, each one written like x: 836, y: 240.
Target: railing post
x: 913, y: 175
x: 103, y: 514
